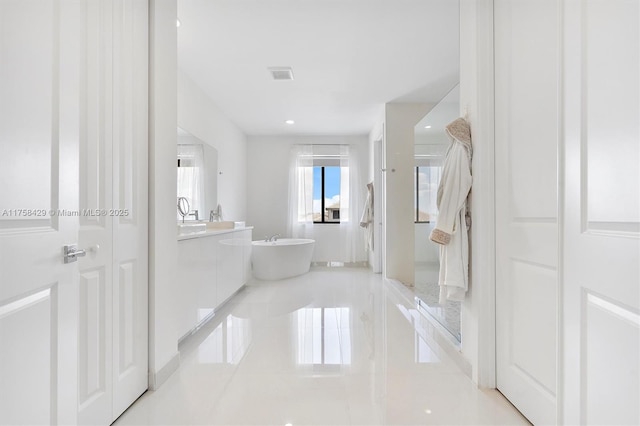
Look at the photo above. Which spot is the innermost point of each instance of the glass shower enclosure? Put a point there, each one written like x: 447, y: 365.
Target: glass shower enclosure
x: 431, y: 143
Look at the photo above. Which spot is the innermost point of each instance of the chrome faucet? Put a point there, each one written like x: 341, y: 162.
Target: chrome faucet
x: 273, y: 238
x: 194, y: 213
x: 216, y: 214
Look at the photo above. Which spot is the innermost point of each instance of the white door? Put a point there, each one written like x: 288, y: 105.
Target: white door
x: 526, y: 144
x: 95, y: 387
x: 40, y: 114
x: 601, y: 299
x: 73, y: 152
x: 113, y: 168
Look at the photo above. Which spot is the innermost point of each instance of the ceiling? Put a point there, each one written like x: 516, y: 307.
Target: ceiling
x: 349, y: 57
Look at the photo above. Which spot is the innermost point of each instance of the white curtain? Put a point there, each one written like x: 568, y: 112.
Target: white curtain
x: 300, y: 217
x: 351, y: 204
x: 347, y: 244
x: 191, y: 177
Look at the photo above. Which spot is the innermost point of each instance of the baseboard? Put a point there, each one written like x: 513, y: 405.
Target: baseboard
x: 156, y: 379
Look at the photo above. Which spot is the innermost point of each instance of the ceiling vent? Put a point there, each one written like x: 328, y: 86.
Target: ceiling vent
x: 281, y: 73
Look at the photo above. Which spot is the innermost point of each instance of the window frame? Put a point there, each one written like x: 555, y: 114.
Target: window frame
x: 416, y: 213
x: 322, y: 198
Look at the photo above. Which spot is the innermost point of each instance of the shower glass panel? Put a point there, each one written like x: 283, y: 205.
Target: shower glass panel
x: 431, y: 143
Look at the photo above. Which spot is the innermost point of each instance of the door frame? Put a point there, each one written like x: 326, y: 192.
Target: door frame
x: 480, y: 16
x: 378, y: 205
x: 477, y: 99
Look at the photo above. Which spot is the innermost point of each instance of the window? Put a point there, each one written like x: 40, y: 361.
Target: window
x: 427, y: 179
x: 326, y: 194
x: 191, y: 178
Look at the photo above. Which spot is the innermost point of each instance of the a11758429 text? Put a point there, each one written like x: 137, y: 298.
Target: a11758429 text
x: 62, y: 212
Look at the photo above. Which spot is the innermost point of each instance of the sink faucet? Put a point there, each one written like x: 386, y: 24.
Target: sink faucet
x: 274, y: 237
x: 216, y: 214
x: 195, y: 214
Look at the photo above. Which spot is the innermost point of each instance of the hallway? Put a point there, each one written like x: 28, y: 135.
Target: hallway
x: 334, y: 346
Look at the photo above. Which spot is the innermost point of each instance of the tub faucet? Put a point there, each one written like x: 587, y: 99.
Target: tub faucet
x: 274, y: 237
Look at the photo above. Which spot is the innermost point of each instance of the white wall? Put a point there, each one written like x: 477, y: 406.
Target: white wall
x: 268, y: 187
x: 476, y: 98
x: 400, y: 121
x: 163, y: 245
x: 199, y: 115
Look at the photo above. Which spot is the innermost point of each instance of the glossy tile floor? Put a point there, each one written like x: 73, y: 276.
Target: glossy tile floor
x: 333, y: 347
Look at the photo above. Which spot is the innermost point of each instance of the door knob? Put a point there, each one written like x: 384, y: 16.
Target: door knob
x: 71, y: 253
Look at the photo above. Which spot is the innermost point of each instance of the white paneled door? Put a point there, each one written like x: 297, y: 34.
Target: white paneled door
x: 601, y: 298
x: 568, y: 176
x: 113, y: 158
x: 526, y: 138
x: 73, y: 153
x: 39, y: 133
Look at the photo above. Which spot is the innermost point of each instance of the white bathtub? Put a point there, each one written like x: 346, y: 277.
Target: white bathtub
x: 287, y: 257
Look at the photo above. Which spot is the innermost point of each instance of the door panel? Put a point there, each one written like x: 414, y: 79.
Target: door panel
x: 129, y: 202
x: 94, y: 387
x: 27, y: 326
x: 601, y: 309
x: 611, y: 334
x: 39, y: 116
x: 532, y: 283
x: 126, y: 308
x: 29, y: 101
x: 114, y: 187
x: 96, y: 313
x: 526, y: 144
x: 610, y: 140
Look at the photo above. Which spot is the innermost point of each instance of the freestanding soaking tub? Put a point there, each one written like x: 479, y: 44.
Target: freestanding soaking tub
x: 284, y: 258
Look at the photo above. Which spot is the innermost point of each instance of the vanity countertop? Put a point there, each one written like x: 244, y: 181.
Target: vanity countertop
x: 211, y: 232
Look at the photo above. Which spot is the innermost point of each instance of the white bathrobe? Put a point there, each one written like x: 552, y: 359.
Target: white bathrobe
x: 366, y: 221
x: 452, y: 224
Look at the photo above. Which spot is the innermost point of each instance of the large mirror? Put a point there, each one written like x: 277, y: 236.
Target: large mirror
x: 431, y: 143
x: 197, y: 175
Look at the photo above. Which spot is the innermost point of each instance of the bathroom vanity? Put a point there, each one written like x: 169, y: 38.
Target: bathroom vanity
x: 212, y: 266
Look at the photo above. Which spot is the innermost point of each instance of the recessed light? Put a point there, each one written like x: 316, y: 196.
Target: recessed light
x: 427, y: 127
x: 178, y: 23
x: 290, y: 122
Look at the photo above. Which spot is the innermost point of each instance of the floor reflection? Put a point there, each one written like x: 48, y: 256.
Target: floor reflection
x: 227, y: 343
x: 323, y: 336
x: 332, y: 347
x: 423, y: 354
